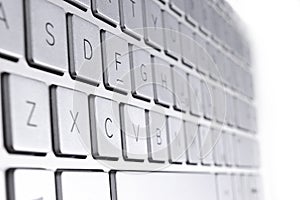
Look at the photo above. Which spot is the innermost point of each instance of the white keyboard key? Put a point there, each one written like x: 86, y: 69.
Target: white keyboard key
x: 161, y: 186
x: 107, y: 10
x: 180, y: 90
x: 134, y: 136
x: 171, y: 35
x: 115, y: 62
x: 31, y: 184
x: 81, y: 185
x: 153, y: 27
x: 177, y: 149
x: 105, y: 125
x: 218, y: 147
x: 238, y: 187
x: 141, y: 71
x: 230, y: 109
x: 192, y: 142
x: 220, y: 104
x: 224, y: 187
x: 46, y: 36
x: 27, y: 124
x: 187, y: 44
x: 228, y: 149
x: 203, y: 59
x: 245, y: 152
x: 162, y: 80
x: 132, y: 17
x: 11, y: 28
x: 85, y: 50
x: 195, y: 96
x: 252, y: 192
x: 206, y: 146
x: 157, y: 137
x: 71, y: 122
x: 192, y: 10
x: 208, y: 100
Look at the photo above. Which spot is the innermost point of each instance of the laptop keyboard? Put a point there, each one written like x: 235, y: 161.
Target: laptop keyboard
x: 126, y: 99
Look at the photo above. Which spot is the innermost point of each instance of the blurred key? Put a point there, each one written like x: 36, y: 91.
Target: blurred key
x: 224, y: 187
x: 153, y: 27
x: 206, y: 145
x: 180, y: 89
x: 208, y: 100
x: 85, y: 50
x: 70, y: 121
x: 134, y: 136
x: 171, y: 35
x: 106, y: 130
x: 177, y: 149
x: 107, y: 10
x: 192, y: 143
x: 157, y: 137
x: 31, y: 184
x: 46, y: 36
x: 11, y: 28
x: 132, y: 17
x: 141, y: 71
x: 195, y: 95
x: 79, y: 185
x: 27, y: 124
x: 187, y: 44
x: 162, y: 80
x: 115, y: 62
x: 228, y: 149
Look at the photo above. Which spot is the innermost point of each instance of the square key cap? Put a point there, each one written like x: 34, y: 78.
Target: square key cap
x: 11, y: 28
x: 46, y: 36
x: 71, y: 122
x: 180, y: 89
x: 85, y: 50
x: 132, y: 17
x: 192, y: 142
x: 27, y: 115
x: 153, y: 28
x: 176, y: 141
x: 116, y: 66
x: 162, y: 82
x: 106, y: 130
x: 31, y: 184
x: 141, y: 71
x: 82, y: 185
x: 107, y: 10
x: 134, y: 136
x: 157, y: 137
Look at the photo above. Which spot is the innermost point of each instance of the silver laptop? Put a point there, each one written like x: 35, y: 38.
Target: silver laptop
x: 125, y: 100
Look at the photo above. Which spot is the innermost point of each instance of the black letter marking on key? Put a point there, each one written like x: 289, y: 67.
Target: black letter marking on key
x: 136, y: 132
x: 132, y: 6
x: 88, y: 49
x: 52, y: 41
x: 107, y: 133
x: 74, y: 121
x: 29, y: 122
x: 143, y: 72
x: 158, y: 136
x: 3, y: 16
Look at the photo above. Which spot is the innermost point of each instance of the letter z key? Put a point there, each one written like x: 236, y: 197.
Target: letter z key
x: 27, y: 115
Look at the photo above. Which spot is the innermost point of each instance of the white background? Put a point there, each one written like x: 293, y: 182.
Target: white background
x: 274, y: 27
